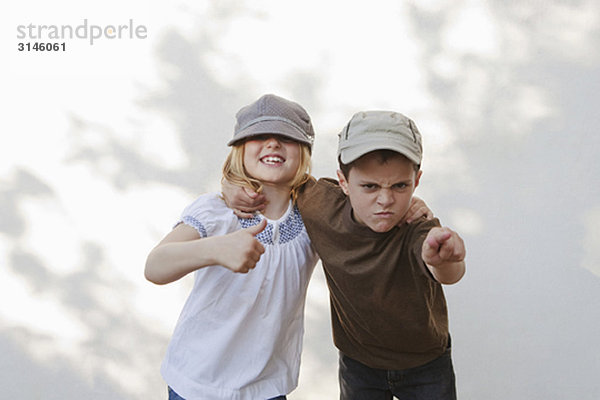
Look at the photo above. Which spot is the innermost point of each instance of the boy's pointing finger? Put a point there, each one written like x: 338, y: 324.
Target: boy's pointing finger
x: 437, y: 237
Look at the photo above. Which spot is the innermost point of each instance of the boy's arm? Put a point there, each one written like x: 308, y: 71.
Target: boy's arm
x: 183, y: 251
x: 243, y: 201
x: 443, y: 252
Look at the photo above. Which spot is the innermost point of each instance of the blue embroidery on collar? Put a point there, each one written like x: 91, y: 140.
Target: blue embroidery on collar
x: 288, y: 229
x: 291, y: 227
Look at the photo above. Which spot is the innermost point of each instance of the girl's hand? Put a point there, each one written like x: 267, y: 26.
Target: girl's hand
x: 240, y: 251
x: 417, y: 209
x: 243, y: 201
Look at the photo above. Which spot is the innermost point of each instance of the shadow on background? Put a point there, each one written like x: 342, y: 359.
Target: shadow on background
x: 526, y: 314
x: 119, y: 342
x: 522, y: 318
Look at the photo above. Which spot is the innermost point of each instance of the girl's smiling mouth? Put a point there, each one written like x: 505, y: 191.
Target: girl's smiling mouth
x: 272, y: 159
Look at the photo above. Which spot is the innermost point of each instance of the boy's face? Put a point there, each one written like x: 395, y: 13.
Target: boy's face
x: 380, y: 192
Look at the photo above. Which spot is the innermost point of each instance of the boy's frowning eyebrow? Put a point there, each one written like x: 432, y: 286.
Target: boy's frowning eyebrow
x: 406, y: 182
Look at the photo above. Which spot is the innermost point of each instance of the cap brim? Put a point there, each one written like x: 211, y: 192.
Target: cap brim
x: 270, y: 128
x: 353, y: 153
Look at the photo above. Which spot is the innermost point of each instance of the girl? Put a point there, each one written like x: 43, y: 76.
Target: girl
x: 239, y: 335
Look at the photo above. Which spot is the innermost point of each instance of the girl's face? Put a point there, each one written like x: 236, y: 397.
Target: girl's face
x: 272, y: 159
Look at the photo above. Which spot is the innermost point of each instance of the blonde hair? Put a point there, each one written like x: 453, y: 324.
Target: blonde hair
x: 235, y: 173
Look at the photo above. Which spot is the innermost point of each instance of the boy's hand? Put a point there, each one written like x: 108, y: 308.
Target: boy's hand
x: 243, y: 201
x: 417, y: 209
x: 444, y: 253
x: 241, y: 250
x: 442, y: 245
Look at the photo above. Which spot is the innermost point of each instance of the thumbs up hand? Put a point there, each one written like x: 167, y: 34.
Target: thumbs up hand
x: 240, y: 251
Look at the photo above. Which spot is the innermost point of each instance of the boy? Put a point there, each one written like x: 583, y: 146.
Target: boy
x: 388, y: 311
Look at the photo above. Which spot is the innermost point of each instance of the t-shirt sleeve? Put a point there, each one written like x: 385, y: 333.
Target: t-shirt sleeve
x: 314, y: 195
x: 305, y: 192
x: 418, y: 235
x: 209, y: 215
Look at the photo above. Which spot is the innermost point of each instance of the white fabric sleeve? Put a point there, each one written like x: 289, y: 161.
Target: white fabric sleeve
x: 209, y: 215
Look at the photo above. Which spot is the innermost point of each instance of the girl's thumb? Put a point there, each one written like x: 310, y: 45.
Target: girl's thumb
x: 256, y: 229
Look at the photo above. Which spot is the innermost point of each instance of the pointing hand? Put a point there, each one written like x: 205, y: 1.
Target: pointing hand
x: 442, y: 245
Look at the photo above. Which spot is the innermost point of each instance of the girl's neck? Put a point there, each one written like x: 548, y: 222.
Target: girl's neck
x: 278, y: 199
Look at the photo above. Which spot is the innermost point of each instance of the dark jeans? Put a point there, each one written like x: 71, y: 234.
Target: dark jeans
x: 175, y: 396
x: 432, y: 381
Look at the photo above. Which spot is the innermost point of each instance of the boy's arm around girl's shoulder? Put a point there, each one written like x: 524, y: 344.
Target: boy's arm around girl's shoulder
x: 315, y: 195
x: 183, y: 251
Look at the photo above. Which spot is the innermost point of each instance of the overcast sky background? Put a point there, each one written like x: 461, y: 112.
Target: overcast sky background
x: 104, y: 144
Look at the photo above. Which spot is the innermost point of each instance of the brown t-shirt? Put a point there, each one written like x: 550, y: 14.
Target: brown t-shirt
x: 387, y: 310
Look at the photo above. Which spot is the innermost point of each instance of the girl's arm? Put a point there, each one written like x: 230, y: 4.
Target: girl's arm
x: 183, y: 251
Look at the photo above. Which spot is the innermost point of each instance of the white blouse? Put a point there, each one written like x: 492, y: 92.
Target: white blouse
x: 239, y: 336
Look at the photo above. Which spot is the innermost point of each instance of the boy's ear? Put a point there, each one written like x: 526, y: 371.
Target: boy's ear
x: 418, y: 178
x: 343, y: 182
